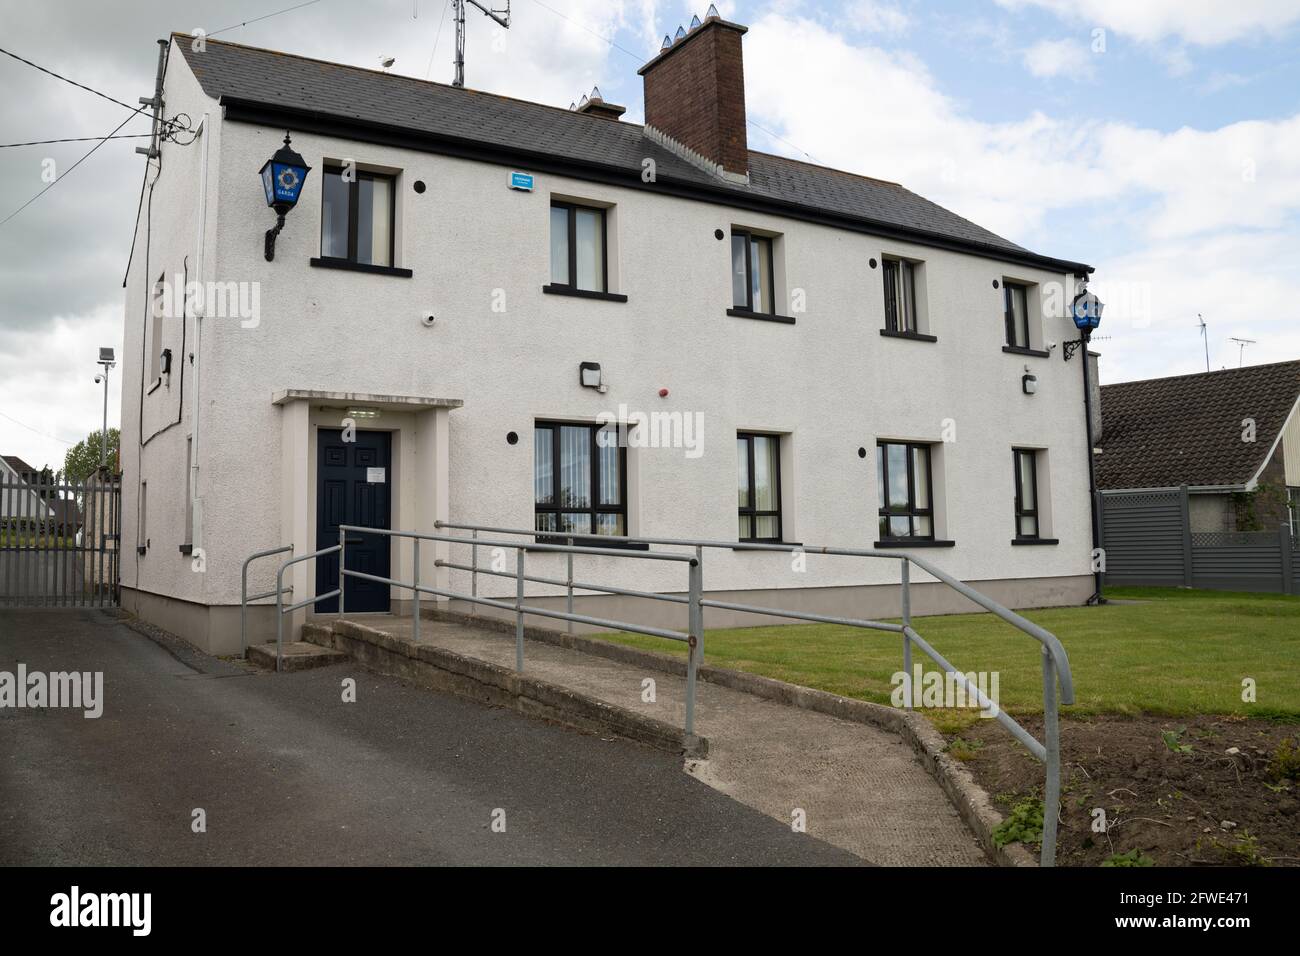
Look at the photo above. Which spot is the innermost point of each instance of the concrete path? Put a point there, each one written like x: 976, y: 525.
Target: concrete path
x: 289, y: 774
x: 860, y: 787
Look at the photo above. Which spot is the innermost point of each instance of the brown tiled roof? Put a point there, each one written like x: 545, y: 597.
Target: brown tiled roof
x: 18, y: 465
x: 1166, y: 432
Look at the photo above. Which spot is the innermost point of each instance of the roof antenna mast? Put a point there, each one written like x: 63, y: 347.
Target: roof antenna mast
x: 1241, y: 347
x: 500, y: 16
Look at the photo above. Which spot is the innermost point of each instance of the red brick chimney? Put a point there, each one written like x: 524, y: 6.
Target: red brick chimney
x: 595, y: 105
x: 695, y: 97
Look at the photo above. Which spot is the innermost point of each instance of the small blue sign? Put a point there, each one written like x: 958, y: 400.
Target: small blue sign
x: 521, y: 181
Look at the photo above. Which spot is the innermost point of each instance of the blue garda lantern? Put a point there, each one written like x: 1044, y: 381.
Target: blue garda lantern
x: 282, y: 178
x: 1086, y: 311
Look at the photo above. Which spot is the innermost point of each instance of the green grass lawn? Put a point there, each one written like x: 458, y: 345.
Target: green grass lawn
x: 1175, y: 653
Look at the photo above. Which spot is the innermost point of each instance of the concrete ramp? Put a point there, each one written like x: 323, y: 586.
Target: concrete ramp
x: 855, y: 785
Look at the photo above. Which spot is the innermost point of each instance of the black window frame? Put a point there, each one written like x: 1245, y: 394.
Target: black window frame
x: 750, y: 239
x: 595, y: 508
x: 1021, y: 511
x: 893, y: 273
x: 1009, y: 315
x: 913, y: 511
x: 754, y: 513
x: 354, y: 207
x: 572, y: 239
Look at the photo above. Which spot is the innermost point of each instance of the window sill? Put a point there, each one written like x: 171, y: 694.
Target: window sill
x: 349, y: 266
x: 588, y: 541
x: 1035, y: 541
x: 1017, y: 350
x: 914, y: 543
x: 918, y: 336
x: 761, y: 316
x: 583, y: 293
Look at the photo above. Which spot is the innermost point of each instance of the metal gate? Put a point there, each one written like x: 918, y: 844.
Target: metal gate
x: 59, y: 540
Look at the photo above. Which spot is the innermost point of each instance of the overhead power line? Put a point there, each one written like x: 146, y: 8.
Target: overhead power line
x: 73, y: 139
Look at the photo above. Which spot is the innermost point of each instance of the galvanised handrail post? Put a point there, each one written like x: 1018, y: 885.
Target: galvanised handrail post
x: 699, y: 561
x: 1052, y: 744
x: 519, y: 609
x: 473, y: 575
x: 243, y: 592
x: 569, y: 584
x: 343, y: 552
x: 907, y: 623
x: 416, y: 590
x: 279, y: 617
x: 696, y: 619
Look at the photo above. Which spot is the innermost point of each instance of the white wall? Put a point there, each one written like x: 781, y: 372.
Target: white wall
x: 831, y: 381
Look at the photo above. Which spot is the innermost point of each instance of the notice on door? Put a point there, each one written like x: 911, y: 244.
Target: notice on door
x: 376, y: 476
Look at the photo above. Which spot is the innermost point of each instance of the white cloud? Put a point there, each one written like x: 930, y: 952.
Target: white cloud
x: 1200, y: 22
x: 878, y: 16
x: 47, y: 385
x: 1198, y: 220
x: 1052, y: 58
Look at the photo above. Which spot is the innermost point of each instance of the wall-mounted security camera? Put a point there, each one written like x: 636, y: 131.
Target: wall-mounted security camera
x: 1051, y: 346
x: 428, y: 320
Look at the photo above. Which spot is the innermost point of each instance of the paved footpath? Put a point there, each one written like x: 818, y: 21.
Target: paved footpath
x: 289, y: 774
x: 861, y: 788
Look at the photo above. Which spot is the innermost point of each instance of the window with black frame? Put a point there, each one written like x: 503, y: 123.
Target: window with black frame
x: 758, y: 462
x: 578, y: 247
x: 903, y: 490
x: 1026, y: 474
x: 900, y: 295
x: 752, y: 274
x: 579, y: 479
x: 1015, y: 303
x: 357, y: 216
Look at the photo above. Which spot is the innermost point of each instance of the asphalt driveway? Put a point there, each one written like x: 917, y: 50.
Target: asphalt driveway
x: 287, y: 773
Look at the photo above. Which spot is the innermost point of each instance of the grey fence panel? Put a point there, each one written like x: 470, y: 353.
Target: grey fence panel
x: 1237, y: 561
x: 1143, y: 538
x: 58, y: 541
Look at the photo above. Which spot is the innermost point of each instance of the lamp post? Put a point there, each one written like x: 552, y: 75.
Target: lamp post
x: 1086, y: 311
x: 107, y: 360
x: 282, y: 178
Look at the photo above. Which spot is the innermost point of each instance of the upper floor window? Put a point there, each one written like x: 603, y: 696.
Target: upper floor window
x: 900, y: 295
x: 752, y: 275
x: 1026, y: 476
x: 903, y: 490
x: 579, y: 479
x: 357, y: 216
x: 758, y: 459
x: 578, y: 247
x: 1015, y: 304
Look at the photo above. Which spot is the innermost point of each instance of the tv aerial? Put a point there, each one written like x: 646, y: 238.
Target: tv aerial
x: 1241, y: 347
x: 500, y: 16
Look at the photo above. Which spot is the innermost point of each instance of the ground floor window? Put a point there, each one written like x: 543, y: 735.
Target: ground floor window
x: 903, y: 490
x: 1025, y: 461
x: 579, y: 479
x: 758, y: 461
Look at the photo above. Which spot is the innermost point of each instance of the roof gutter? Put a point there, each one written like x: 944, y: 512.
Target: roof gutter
x: 241, y: 110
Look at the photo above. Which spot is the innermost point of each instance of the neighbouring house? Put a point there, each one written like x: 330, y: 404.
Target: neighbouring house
x: 475, y: 300
x: 21, y: 504
x: 1232, y: 437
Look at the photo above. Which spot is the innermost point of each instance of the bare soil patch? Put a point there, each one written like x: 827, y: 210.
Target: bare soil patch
x: 1195, y: 791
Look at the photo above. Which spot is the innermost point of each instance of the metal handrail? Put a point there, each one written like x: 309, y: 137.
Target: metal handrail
x: 279, y: 599
x: 1055, y: 661
x: 691, y: 637
x: 244, y: 596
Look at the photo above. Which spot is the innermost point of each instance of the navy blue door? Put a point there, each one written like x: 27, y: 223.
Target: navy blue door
x: 352, y: 488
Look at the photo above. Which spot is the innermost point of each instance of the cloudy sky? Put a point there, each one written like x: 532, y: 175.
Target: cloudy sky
x: 1157, y: 139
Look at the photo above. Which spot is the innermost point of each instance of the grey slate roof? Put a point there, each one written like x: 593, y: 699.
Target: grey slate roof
x: 284, y: 82
x: 1166, y: 432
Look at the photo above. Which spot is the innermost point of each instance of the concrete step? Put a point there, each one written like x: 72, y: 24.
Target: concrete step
x: 298, y: 656
x: 321, y: 634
